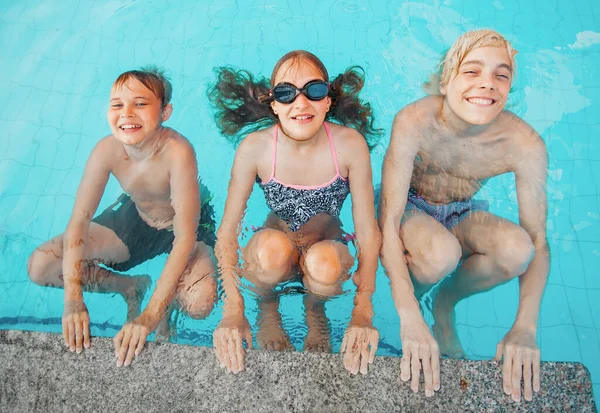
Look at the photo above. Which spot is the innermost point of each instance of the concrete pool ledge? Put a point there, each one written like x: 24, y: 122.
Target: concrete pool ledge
x: 39, y: 374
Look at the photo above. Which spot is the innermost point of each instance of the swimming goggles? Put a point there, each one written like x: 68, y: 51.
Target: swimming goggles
x: 313, y: 90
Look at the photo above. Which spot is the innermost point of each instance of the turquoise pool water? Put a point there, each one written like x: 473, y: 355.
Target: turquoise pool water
x: 59, y: 58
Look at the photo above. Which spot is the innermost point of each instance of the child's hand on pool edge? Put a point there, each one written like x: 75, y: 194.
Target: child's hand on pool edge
x: 359, y: 345
x: 228, y: 341
x: 419, y: 350
x: 76, y: 325
x: 521, y: 360
x: 130, y: 341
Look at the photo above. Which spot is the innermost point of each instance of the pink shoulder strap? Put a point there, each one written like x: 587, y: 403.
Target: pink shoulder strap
x: 275, y: 133
x: 334, y: 156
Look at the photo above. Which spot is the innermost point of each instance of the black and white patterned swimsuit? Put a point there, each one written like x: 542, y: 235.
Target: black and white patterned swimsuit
x: 297, y: 204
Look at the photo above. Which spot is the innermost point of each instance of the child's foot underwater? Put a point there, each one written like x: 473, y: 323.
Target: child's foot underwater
x: 270, y: 334
x: 167, y: 327
x: 134, y: 294
x: 318, y: 338
x: 444, y: 327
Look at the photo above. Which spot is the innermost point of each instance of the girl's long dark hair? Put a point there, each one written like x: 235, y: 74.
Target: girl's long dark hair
x: 243, y: 102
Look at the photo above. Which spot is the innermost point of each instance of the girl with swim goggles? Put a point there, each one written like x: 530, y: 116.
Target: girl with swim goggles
x: 295, y: 131
x: 313, y: 90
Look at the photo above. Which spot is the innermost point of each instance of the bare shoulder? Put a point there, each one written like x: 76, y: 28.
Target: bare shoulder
x: 257, y: 143
x: 347, y: 140
x: 108, y: 145
x: 527, y: 147
x: 520, y: 132
x: 178, y: 146
x: 417, y: 124
x: 107, y: 152
x: 253, y: 155
x: 420, y: 113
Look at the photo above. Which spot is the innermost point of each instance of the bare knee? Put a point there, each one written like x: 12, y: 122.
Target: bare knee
x: 513, y: 252
x: 273, y: 255
x: 38, y: 266
x: 435, y: 260
x: 199, y: 301
x: 325, y: 266
x: 200, y: 309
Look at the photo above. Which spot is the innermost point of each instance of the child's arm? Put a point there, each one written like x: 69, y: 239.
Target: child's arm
x: 519, y: 346
x: 185, y: 200
x: 360, y: 329
x: 417, y: 340
x: 75, y: 323
x: 234, y: 327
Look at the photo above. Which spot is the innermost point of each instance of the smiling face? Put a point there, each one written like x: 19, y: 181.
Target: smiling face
x: 478, y: 92
x: 301, y: 119
x: 135, y: 112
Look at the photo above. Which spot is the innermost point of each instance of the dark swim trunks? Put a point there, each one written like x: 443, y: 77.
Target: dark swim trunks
x: 449, y: 215
x: 143, y: 241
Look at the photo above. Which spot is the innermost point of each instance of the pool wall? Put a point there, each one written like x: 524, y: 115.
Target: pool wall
x: 59, y: 58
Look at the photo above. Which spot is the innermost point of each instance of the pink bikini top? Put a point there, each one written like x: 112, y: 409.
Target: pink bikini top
x: 297, y: 204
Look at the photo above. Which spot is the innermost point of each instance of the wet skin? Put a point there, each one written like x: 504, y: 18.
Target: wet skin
x: 157, y: 167
x: 446, y: 147
x: 275, y: 254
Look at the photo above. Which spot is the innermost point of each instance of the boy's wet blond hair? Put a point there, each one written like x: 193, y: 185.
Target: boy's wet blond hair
x: 469, y: 41
x: 153, y: 77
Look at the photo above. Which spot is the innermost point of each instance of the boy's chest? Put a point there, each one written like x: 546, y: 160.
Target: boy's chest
x: 466, y: 158
x: 145, y: 181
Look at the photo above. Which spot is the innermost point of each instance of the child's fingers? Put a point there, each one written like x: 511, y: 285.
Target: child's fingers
x: 435, y: 367
x: 349, y: 339
x: 232, y: 355
x: 415, y: 367
x: 71, y: 326
x: 237, y: 338
x: 374, y: 343
x: 86, y: 334
x: 217, y: 345
x: 140, y: 345
x: 536, y: 371
x: 344, y: 343
x: 135, y: 339
x: 364, y: 354
x: 499, y: 351
x: 123, y: 350
x: 428, y: 375
x: 220, y: 351
x: 405, y: 362
x: 79, y: 336
x: 65, y: 331
x: 507, y: 371
x: 248, y: 336
x: 117, y: 341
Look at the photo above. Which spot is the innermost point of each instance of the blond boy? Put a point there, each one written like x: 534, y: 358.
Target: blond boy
x: 443, y: 149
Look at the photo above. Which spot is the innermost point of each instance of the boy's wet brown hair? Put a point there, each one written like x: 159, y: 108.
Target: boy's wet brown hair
x: 153, y: 77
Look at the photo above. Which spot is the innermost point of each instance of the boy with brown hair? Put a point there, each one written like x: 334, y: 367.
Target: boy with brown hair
x: 160, y: 212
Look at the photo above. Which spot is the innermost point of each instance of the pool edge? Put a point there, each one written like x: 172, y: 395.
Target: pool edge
x: 39, y: 374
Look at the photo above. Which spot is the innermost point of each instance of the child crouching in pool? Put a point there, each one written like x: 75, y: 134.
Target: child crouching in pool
x: 443, y: 149
x: 160, y: 213
x: 306, y: 167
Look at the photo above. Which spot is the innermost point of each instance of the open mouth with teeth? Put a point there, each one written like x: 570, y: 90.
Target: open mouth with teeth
x: 481, y: 101
x: 130, y: 127
x: 302, y: 117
